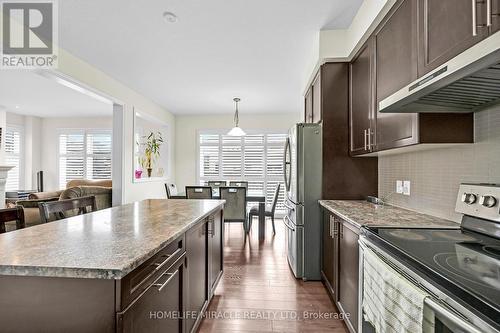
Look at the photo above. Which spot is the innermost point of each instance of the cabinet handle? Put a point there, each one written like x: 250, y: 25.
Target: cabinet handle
x: 488, y: 13
x: 159, y: 266
x: 331, y: 226
x: 335, y: 228
x: 341, y: 228
x: 365, y: 139
x: 474, y: 18
x: 171, y: 276
x: 369, y: 139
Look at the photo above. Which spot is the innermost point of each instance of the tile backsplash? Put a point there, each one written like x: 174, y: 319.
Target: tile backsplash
x: 436, y: 174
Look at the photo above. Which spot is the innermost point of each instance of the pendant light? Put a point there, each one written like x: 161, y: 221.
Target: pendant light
x: 236, y: 130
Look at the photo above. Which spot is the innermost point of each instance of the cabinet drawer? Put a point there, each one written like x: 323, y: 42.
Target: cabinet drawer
x: 134, y: 283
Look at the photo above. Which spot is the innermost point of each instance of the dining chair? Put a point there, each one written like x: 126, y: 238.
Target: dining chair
x: 10, y: 215
x: 238, y: 183
x: 171, y: 190
x: 217, y: 183
x: 198, y: 192
x: 269, y: 212
x: 59, y: 209
x: 235, y: 209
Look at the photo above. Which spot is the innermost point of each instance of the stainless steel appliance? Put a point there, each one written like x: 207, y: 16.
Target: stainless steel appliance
x: 303, y: 172
x: 469, y: 82
x: 458, y: 268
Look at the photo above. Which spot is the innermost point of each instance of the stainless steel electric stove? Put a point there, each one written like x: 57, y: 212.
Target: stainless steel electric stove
x: 460, y: 268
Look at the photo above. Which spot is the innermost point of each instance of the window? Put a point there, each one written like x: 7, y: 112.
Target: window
x: 84, y: 154
x: 256, y: 158
x: 13, y: 151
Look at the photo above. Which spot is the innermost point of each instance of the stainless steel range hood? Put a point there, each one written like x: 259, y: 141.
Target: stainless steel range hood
x: 467, y: 83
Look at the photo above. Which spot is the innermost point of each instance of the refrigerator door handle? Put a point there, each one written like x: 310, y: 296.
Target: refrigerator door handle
x: 287, y: 165
x: 288, y: 206
x: 285, y: 219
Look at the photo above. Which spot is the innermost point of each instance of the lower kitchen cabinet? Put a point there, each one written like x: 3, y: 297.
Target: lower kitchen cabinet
x: 348, y: 267
x: 340, y: 266
x: 215, y: 257
x: 197, y: 286
x: 329, y: 262
x: 159, y: 309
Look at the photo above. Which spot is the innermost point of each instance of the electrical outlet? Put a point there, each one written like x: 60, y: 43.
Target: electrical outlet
x: 399, y: 186
x: 406, y: 187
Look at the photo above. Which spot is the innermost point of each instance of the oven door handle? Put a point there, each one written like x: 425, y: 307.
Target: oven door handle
x: 459, y: 321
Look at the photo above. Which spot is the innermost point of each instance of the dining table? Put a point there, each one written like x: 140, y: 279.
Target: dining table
x: 260, y: 199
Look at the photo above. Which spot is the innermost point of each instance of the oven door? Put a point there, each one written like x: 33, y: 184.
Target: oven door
x: 446, y: 319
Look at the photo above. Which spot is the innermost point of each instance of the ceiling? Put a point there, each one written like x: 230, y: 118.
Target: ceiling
x: 27, y: 93
x: 257, y: 50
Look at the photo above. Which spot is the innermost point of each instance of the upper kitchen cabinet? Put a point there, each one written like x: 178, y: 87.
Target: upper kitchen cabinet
x: 361, y: 103
x: 316, y: 87
x: 308, y: 106
x: 396, y: 62
x: 495, y: 16
x: 312, y: 108
x: 447, y: 28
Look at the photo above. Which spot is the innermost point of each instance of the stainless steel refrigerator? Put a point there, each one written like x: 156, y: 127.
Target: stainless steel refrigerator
x: 303, y: 172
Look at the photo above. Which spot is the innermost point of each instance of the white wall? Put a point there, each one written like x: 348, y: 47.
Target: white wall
x: 86, y: 74
x: 187, y: 128
x: 50, y: 141
x: 31, y: 145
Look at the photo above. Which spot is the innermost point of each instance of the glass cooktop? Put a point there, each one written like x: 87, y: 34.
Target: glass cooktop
x: 468, y: 259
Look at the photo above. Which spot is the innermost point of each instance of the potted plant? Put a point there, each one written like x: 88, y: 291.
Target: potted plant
x: 152, y: 144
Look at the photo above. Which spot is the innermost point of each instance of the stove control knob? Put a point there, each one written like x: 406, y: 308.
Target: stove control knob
x: 488, y: 201
x: 469, y: 198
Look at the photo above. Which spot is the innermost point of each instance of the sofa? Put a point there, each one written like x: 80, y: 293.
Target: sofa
x: 101, y: 189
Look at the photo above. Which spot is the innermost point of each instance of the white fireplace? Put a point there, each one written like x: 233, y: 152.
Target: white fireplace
x: 3, y: 180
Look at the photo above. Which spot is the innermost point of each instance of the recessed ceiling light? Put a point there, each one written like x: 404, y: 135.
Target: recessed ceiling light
x: 17, y: 106
x: 170, y: 17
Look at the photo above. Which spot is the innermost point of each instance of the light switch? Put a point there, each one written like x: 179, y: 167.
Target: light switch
x: 399, y: 186
x: 406, y: 187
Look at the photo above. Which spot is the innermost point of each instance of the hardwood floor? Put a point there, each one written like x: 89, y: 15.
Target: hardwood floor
x: 258, y: 292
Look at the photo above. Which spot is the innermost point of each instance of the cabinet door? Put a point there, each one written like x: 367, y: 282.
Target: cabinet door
x: 446, y: 28
x: 361, y: 104
x: 328, y: 252
x: 495, y: 16
x: 308, y: 106
x: 348, y: 272
x: 396, y: 61
x: 316, y: 93
x: 159, y: 309
x: 215, y: 248
x: 196, y: 293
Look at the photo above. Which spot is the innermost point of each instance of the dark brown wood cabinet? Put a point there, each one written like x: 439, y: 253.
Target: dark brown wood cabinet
x: 446, y: 28
x: 495, y: 16
x: 308, y: 106
x: 384, y: 65
x: 361, y: 103
x: 215, y: 247
x: 316, y: 93
x: 196, y: 286
x: 396, y: 67
x: 348, y: 279
x: 312, y: 101
x: 329, y: 262
x: 340, y: 265
x: 344, y: 177
x: 164, y: 298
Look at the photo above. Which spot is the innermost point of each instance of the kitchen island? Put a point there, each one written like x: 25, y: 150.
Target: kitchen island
x: 139, y: 267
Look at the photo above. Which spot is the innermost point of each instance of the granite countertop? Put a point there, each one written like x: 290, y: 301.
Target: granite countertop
x: 107, y: 244
x: 362, y: 213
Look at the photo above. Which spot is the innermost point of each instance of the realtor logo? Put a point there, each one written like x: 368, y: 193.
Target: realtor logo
x: 29, y: 34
